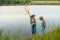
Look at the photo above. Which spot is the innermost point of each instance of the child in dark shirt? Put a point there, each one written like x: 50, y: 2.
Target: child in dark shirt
x: 33, y: 25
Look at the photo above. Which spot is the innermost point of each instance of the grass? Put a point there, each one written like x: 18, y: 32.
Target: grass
x: 1, y: 30
x: 51, y: 35
x: 9, y: 36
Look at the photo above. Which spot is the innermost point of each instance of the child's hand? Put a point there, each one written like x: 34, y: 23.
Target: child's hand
x: 32, y: 24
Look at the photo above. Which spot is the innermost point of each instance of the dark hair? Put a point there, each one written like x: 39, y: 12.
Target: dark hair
x: 41, y: 18
x: 32, y: 15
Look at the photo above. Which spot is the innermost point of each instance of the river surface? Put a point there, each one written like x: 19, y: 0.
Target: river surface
x: 13, y: 18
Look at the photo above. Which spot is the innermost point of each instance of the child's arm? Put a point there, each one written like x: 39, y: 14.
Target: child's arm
x: 44, y: 22
x: 35, y: 21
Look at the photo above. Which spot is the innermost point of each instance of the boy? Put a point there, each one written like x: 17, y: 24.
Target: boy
x: 43, y: 24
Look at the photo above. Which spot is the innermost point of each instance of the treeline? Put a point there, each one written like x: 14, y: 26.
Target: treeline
x: 45, y: 0
x: 14, y: 1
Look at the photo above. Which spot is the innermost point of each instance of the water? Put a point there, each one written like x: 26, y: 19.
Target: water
x: 14, y: 17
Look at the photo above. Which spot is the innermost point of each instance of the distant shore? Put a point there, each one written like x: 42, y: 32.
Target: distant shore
x: 35, y: 3
x: 45, y: 2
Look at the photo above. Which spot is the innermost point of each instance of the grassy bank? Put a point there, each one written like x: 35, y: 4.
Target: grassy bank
x: 51, y: 35
x: 45, y: 2
x: 9, y: 36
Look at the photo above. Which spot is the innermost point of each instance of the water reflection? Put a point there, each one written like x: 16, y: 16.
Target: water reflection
x: 14, y: 17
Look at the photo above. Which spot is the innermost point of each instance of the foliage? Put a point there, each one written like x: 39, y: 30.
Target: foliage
x: 1, y: 30
x: 9, y: 36
x: 14, y: 1
x: 53, y: 35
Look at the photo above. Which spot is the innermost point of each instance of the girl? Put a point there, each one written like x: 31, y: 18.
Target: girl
x: 33, y: 25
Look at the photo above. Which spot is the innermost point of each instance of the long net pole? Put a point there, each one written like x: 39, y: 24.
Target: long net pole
x: 27, y: 10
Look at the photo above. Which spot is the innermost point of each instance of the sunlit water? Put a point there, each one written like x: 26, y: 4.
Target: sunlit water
x: 14, y: 17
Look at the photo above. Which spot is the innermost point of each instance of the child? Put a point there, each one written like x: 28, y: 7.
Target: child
x: 43, y: 24
x: 33, y: 25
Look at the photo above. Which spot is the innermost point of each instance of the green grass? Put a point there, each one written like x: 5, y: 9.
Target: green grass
x: 51, y: 35
x: 1, y: 30
x: 9, y: 36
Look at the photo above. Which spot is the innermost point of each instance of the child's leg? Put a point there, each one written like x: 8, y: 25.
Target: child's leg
x: 43, y: 30
x: 33, y: 32
x: 34, y: 29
